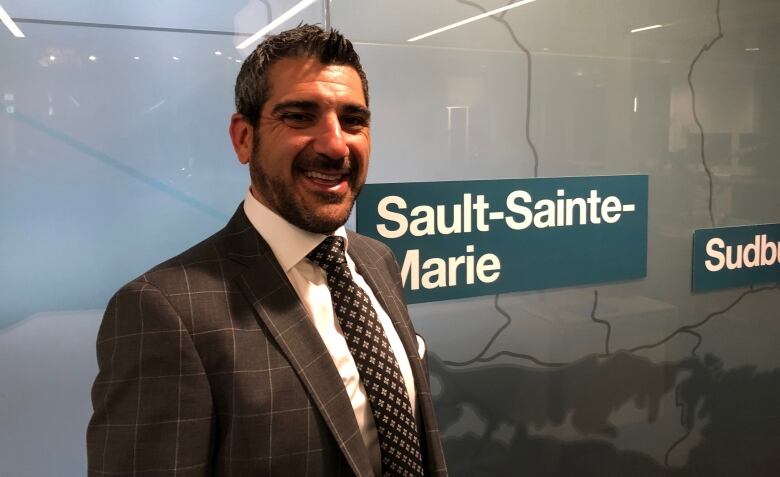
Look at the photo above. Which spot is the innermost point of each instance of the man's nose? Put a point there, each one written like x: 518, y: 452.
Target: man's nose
x: 330, y: 140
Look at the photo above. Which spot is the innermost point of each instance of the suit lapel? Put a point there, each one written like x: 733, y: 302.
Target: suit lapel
x: 373, y: 266
x: 265, y: 285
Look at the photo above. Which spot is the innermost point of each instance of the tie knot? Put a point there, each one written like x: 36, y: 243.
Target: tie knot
x: 329, y: 253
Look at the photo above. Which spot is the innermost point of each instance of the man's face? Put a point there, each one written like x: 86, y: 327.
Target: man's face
x: 311, y: 147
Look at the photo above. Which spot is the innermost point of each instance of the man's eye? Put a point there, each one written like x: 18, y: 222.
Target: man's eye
x: 354, y: 122
x: 296, y: 118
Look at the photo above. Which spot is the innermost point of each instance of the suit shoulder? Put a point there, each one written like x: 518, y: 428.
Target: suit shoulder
x: 204, y: 265
x: 367, y: 243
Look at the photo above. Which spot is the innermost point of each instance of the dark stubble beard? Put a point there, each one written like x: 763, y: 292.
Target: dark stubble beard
x: 284, y: 202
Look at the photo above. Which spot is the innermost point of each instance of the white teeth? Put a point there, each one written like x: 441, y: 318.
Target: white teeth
x: 319, y: 175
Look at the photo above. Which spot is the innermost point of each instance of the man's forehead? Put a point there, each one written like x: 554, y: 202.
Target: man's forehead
x: 288, y: 75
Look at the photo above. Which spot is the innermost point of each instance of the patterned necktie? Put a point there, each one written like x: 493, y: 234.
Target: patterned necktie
x: 399, y: 441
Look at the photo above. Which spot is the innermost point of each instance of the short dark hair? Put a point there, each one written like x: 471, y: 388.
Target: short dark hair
x: 329, y: 47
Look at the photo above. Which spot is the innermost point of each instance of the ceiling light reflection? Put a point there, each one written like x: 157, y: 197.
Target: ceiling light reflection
x: 278, y: 21
x: 651, y: 27
x: 9, y: 23
x: 471, y: 19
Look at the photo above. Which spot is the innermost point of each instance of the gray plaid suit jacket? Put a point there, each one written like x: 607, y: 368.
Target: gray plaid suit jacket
x: 210, y: 366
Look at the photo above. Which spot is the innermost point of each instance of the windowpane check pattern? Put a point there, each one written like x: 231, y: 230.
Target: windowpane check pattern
x: 399, y: 441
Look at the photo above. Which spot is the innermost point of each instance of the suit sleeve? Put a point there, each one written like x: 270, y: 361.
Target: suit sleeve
x: 151, y: 398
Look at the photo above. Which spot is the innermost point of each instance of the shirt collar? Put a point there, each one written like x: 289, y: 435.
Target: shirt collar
x: 289, y: 243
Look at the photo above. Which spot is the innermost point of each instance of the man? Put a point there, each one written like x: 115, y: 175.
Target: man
x: 265, y: 349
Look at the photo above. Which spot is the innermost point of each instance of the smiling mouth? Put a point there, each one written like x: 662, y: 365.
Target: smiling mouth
x: 323, y: 177
x: 326, y: 179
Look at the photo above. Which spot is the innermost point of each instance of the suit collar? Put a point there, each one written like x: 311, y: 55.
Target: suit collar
x: 280, y: 311
x: 289, y: 243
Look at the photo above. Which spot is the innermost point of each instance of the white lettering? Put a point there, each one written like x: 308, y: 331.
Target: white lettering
x: 424, y: 225
x: 436, y: 273
x: 580, y: 203
x: 466, y: 213
x: 752, y: 247
x: 411, y: 267
x: 454, y: 263
x: 440, y: 272
x: 712, y: 252
x: 546, y: 217
x: 593, y: 201
x: 737, y: 258
x: 771, y: 247
x: 610, y: 206
x: 441, y: 218
x: 473, y: 213
x: 387, y: 214
x: 488, y: 268
x: 511, y: 204
x: 758, y: 253
x: 469, y: 265
x: 481, y: 206
x: 560, y: 217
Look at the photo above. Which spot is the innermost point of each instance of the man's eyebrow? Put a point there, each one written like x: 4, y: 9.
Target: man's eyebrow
x: 296, y: 104
x: 312, y: 106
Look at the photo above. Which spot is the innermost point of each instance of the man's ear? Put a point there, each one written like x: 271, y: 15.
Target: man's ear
x: 242, y: 135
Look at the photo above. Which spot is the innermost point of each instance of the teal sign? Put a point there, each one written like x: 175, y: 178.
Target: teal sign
x: 471, y: 238
x: 729, y: 257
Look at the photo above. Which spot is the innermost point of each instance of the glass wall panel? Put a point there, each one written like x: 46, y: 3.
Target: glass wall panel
x: 114, y: 155
x: 624, y: 379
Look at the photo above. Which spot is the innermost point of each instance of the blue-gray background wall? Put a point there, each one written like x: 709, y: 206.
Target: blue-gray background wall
x: 109, y: 165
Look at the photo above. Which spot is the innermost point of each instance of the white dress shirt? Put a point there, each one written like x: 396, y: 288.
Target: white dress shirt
x: 290, y: 245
